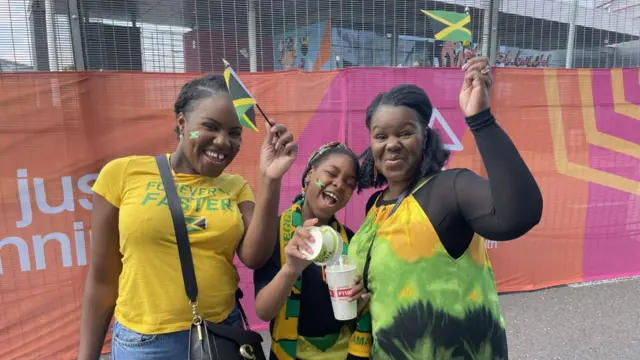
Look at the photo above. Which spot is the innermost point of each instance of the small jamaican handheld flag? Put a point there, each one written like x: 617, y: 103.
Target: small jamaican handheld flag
x: 242, y: 99
x: 449, y: 25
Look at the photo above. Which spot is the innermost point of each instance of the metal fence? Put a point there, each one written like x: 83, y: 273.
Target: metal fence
x: 273, y: 35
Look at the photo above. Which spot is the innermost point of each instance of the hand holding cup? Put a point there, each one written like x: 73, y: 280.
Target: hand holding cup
x: 344, y: 287
x: 360, y: 294
x: 298, y: 247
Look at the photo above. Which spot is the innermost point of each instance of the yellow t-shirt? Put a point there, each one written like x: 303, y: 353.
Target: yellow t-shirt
x: 151, y: 295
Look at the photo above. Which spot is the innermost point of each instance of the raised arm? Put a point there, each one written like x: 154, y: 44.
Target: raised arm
x: 509, y: 203
x: 260, y: 219
x: 278, y: 153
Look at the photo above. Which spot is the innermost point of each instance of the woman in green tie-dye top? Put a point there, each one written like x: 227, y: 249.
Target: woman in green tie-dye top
x: 433, y: 294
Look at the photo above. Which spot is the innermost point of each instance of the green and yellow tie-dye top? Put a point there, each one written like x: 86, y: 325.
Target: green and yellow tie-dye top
x: 427, y: 304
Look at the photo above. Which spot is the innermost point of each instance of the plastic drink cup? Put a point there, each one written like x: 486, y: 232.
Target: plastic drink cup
x: 340, y: 276
x: 327, y: 247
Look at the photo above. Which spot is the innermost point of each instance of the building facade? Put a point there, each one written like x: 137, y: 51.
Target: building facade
x: 312, y: 35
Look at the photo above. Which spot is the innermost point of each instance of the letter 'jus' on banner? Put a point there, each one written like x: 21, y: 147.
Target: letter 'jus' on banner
x: 68, y: 198
x: 63, y: 239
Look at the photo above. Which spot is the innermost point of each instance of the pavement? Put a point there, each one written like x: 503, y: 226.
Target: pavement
x: 597, y: 321
x: 589, y: 321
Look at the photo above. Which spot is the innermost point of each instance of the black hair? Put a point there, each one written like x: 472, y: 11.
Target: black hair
x: 434, y: 154
x: 319, y: 156
x: 196, y: 90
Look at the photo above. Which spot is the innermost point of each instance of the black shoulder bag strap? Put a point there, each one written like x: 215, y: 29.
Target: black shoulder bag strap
x: 367, y: 261
x: 182, y: 236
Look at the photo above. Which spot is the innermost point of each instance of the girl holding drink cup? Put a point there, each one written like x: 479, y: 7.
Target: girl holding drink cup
x: 291, y: 289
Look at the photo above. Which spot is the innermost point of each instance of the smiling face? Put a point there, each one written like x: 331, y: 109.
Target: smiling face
x: 337, y: 173
x: 211, y: 134
x: 397, y: 140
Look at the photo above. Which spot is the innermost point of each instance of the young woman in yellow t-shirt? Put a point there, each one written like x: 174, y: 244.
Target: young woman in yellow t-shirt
x: 135, y: 272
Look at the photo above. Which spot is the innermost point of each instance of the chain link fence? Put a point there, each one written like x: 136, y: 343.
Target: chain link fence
x: 272, y: 35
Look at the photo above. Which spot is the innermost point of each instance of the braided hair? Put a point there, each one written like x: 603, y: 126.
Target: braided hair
x: 322, y: 153
x: 434, y: 155
x: 196, y: 90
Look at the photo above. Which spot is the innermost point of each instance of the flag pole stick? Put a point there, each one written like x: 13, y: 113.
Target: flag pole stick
x: 263, y: 114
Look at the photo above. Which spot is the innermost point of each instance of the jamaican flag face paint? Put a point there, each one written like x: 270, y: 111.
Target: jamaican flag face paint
x: 210, y: 145
x: 332, y: 181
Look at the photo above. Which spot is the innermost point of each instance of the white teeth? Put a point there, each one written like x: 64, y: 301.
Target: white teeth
x: 331, y: 195
x: 214, y: 154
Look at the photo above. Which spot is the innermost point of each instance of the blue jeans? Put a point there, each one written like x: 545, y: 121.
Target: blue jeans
x: 127, y: 344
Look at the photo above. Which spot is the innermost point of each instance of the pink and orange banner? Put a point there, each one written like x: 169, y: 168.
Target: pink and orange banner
x: 578, y: 130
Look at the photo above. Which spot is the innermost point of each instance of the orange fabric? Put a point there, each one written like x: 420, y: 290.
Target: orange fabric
x: 576, y: 129
x: 68, y: 125
x: 528, y: 125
